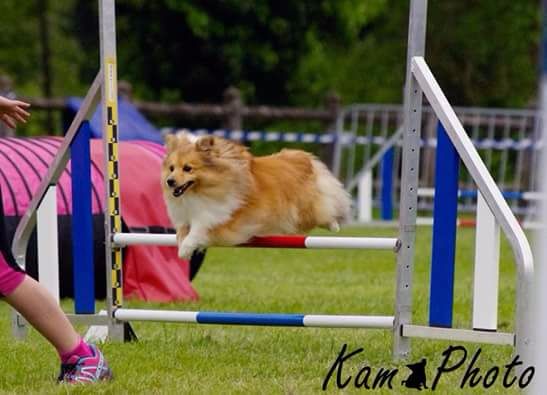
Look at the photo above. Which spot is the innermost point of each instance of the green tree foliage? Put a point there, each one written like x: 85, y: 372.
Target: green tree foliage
x: 281, y: 52
x: 20, y: 52
x: 192, y: 50
x: 18, y: 43
x: 485, y: 52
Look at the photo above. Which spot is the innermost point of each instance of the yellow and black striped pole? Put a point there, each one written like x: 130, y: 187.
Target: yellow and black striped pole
x: 113, y: 204
x: 113, y: 222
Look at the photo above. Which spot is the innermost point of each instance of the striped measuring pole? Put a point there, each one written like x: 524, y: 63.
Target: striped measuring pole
x: 113, y: 222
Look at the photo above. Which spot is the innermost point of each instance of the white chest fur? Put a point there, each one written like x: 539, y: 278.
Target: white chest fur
x: 201, y: 212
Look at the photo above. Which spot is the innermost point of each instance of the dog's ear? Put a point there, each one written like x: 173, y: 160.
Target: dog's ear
x: 205, y: 143
x: 171, y: 142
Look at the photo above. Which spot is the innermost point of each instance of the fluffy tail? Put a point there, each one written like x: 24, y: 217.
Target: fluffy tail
x: 334, y: 206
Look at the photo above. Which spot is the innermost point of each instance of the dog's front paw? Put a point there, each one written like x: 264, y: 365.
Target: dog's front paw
x: 182, y: 232
x: 186, y: 251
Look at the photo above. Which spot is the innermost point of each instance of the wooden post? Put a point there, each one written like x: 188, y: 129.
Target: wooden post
x: 233, y: 104
x: 125, y: 90
x: 332, y: 103
x: 45, y: 47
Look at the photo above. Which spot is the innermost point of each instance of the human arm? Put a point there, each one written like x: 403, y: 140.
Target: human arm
x: 13, y: 112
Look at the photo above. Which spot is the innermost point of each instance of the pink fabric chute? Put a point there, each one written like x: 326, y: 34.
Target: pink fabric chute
x: 150, y: 273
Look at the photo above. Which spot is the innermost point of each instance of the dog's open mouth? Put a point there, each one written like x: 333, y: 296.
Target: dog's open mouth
x: 178, y: 191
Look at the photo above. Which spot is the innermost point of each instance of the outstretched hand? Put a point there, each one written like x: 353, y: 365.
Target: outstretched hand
x: 13, y: 112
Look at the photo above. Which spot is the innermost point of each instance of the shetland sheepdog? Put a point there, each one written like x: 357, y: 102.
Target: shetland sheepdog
x: 218, y: 193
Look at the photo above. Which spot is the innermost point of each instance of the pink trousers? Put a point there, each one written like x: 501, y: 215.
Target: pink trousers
x: 10, y: 277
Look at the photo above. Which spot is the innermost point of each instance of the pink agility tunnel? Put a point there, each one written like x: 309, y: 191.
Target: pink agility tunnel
x: 151, y: 273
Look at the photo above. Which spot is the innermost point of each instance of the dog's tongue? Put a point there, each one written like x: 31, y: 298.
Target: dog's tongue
x: 178, y: 191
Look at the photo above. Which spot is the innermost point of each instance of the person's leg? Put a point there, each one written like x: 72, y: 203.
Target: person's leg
x: 41, y: 310
x: 80, y: 362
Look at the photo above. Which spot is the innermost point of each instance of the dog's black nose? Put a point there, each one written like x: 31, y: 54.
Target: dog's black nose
x: 171, y: 182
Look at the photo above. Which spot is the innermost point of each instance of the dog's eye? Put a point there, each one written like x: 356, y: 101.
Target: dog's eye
x: 187, y: 168
x: 171, y: 168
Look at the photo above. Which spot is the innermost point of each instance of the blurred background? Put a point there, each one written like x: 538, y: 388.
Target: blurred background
x: 327, y: 75
x: 307, y: 53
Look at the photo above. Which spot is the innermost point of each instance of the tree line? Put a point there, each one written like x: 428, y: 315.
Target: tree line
x: 484, y: 53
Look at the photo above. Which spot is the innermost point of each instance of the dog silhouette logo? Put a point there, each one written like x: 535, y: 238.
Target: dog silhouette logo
x: 417, y: 378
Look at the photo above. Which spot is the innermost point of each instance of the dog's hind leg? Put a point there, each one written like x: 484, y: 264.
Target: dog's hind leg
x: 334, y: 226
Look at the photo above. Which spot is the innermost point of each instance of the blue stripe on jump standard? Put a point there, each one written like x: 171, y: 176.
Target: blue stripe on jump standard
x: 82, y: 223
x: 387, y: 185
x: 250, y: 319
x: 445, y: 212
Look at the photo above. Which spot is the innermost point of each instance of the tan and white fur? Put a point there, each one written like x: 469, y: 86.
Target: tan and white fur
x: 217, y: 193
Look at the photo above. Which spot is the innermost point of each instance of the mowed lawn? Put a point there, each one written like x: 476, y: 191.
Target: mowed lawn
x: 212, y: 359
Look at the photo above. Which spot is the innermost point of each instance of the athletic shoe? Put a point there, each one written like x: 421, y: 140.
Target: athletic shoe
x: 85, y: 369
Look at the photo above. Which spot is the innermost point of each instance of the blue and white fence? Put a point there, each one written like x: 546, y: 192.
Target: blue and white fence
x: 506, y: 139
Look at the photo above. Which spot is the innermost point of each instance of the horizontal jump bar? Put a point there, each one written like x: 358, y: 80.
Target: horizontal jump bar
x: 464, y: 335
x: 257, y: 319
x: 311, y: 242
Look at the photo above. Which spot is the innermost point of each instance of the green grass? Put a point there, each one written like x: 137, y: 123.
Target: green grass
x: 192, y: 359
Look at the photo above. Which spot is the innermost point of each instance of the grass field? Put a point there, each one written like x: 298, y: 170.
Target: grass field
x: 191, y: 359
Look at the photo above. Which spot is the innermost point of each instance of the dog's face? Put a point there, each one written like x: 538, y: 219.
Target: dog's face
x: 181, y: 167
x: 206, y: 165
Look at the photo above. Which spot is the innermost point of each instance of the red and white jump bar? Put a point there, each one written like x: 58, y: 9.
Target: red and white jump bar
x: 310, y: 242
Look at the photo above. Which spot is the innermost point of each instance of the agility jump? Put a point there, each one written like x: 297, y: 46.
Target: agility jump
x: 420, y: 81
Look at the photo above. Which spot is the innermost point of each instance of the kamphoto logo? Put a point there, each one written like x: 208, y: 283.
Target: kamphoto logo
x: 454, y: 361
x: 417, y: 378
